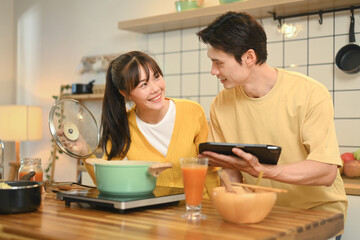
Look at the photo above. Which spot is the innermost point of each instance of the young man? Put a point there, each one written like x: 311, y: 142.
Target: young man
x: 265, y: 105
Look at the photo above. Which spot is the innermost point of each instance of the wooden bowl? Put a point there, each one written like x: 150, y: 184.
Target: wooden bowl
x: 244, y: 206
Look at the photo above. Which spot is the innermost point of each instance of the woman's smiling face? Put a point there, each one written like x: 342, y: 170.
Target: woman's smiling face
x: 149, y: 94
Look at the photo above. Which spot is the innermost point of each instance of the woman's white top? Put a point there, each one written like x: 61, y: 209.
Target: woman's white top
x: 159, y: 134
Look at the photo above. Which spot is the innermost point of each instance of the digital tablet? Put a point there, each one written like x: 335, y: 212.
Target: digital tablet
x: 267, y: 154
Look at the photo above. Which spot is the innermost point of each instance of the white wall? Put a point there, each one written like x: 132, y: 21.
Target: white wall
x: 7, y: 65
x: 7, y: 52
x: 51, y: 38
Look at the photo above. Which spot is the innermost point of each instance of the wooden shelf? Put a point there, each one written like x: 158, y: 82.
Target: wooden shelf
x: 84, y: 97
x: 204, y: 16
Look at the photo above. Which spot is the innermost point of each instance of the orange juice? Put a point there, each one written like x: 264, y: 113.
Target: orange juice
x: 194, y: 181
x: 38, y: 176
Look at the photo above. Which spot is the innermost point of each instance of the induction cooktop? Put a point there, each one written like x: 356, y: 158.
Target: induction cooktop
x: 160, y: 196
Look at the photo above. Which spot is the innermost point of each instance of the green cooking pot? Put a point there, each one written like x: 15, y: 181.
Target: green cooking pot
x: 128, y: 178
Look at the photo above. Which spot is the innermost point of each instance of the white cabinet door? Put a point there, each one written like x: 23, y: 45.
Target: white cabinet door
x: 352, y: 224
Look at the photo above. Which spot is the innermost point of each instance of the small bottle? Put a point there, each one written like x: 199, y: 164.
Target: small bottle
x: 31, y: 164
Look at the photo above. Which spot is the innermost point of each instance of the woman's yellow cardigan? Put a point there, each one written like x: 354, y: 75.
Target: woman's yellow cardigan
x: 190, y: 129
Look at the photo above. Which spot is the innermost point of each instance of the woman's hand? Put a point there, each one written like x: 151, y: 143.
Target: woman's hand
x: 78, y: 146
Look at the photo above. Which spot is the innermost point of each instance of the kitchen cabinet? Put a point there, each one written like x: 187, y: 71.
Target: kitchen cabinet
x: 352, y: 188
x: 352, y: 230
x: 204, y: 16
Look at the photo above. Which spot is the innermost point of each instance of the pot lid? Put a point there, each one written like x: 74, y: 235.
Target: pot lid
x: 75, y: 121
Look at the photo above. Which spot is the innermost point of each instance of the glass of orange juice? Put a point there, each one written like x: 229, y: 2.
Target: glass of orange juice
x: 194, y: 173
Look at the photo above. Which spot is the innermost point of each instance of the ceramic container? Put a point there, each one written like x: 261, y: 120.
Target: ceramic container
x: 185, y: 5
x: 124, y: 177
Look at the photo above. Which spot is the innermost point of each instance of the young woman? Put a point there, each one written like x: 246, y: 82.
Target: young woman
x: 157, y: 128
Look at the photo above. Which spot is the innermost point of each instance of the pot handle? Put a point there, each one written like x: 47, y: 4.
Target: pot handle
x: 93, y: 161
x: 156, y: 168
x: 352, y: 26
x: 92, y: 82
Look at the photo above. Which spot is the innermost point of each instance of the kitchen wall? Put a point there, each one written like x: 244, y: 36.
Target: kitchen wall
x: 52, y: 37
x: 312, y: 52
x: 43, y: 42
x: 7, y: 62
x: 7, y: 52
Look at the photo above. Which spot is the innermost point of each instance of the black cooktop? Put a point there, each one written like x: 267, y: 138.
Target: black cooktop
x: 159, y: 197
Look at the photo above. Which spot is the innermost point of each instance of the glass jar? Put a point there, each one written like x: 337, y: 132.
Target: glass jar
x: 31, y: 164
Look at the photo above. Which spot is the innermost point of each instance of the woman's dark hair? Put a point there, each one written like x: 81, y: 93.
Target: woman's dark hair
x: 123, y: 74
x: 236, y: 33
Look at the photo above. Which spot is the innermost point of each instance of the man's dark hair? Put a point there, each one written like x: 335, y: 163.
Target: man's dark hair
x: 235, y: 33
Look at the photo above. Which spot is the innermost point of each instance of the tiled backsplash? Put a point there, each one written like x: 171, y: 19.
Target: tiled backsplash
x: 312, y: 52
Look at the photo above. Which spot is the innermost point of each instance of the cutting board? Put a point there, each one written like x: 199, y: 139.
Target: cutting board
x: 352, y: 185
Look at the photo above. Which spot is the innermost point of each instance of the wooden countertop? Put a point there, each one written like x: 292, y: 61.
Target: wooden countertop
x: 352, y: 185
x: 54, y: 220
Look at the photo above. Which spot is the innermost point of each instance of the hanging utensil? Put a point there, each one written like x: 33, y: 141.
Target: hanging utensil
x: 348, y: 57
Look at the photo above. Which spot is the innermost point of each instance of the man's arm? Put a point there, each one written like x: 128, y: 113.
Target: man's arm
x: 305, y: 172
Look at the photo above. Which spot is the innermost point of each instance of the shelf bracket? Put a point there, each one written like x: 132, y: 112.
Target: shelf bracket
x: 321, y: 17
x: 276, y: 18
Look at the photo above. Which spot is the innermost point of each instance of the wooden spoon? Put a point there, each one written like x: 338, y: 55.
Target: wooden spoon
x: 28, y: 176
x: 259, y: 178
x: 224, y: 178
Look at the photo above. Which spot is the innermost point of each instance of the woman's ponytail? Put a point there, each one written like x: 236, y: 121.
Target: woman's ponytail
x: 114, y: 121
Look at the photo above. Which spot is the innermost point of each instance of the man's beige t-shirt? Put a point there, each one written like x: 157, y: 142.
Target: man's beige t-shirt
x: 297, y: 114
